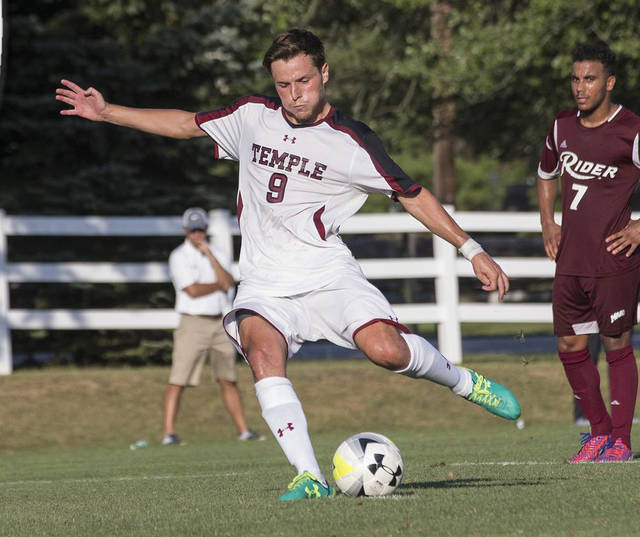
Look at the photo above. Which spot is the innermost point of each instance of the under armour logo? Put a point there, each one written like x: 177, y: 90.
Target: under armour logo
x: 289, y: 427
x: 287, y: 139
x: 615, y: 402
x: 373, y: 468
x: 563, y: 145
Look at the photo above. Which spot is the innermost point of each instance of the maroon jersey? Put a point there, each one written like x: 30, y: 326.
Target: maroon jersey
x: 599, y: 169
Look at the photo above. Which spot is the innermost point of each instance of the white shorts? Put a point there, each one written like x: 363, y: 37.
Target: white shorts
x: 334, y: 312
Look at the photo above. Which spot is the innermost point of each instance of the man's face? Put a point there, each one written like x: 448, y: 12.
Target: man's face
x: 196, y: 236
x: 591, y: 84
x: 300, y: 86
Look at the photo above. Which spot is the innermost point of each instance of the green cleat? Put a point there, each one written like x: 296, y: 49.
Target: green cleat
x: 493, y: 396
x: 306, y: 487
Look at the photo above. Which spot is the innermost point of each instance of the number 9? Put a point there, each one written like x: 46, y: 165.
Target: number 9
x: 277, y: 184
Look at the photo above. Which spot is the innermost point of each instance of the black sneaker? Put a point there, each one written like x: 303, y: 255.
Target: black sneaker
x: 172, y: 440
x: 250, y: 434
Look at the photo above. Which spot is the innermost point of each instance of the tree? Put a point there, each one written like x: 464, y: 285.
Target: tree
x: 444, y: 111
x: 141, y: 53
x: 504, y: 75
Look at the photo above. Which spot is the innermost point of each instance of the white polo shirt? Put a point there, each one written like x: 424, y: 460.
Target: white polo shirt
x: 187, y: 265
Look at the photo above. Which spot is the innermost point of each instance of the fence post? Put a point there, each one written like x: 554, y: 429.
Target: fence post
x: 446, y: 283
x: 6, y: 360
x: 220, y: 230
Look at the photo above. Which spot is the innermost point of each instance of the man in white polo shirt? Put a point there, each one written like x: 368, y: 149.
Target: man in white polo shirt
x: 201, y: 277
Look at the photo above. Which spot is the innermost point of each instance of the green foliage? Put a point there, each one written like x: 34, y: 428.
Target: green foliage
x: 482, y: 183
x: 146, y: 54
x: 506, y: 70
x: 510, y: 63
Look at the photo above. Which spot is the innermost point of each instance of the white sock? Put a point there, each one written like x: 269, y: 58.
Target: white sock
x: 427, y: 363
x: 465, y: 385
x: 282, y: 411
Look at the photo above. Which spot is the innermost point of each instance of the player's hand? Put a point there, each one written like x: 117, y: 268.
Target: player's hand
x: 627, y: 237
x: 490, y: 274
x: 551, y: 238
x: 88, y: 103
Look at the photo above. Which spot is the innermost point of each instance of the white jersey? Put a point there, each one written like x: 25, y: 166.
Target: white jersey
x: 297, y: 185
x: 188, y: 265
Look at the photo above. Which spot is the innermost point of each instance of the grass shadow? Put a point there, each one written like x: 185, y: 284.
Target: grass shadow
x: 477, y: 482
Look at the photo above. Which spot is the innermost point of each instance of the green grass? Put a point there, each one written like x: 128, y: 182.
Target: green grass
x: 515, y: 330
x: 66, y: 468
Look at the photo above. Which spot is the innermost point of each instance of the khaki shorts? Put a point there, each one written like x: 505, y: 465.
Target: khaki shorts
x: 197, y: 338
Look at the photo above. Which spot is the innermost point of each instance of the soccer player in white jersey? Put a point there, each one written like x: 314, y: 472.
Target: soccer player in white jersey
x: 304, y: 168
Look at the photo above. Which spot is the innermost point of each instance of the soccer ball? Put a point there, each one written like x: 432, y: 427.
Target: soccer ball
x: 367, y: 464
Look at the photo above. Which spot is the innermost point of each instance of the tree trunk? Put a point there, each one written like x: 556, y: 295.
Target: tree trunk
x: 444, y: 113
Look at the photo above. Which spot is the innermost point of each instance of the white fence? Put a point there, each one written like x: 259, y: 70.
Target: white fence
x: 445, y: 267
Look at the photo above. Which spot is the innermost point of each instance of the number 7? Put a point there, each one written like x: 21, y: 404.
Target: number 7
x: 581, y: 190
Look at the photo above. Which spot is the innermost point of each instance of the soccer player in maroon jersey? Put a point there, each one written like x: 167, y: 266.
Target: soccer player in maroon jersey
x: 593, y: 148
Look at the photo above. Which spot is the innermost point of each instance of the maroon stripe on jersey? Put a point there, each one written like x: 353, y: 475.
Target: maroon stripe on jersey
x: 317, y: 220
x: 398, y: 325
x: 269, y: 102
x: 240, y: 206
x: 397, y: 179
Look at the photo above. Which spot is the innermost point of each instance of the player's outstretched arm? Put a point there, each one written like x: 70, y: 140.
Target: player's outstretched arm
x: 547, y: 192
x: 90, y: 104
x: 425, y: 208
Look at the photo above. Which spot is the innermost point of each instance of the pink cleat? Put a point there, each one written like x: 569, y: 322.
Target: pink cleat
x: 592, y: 448
x: 615, y: 452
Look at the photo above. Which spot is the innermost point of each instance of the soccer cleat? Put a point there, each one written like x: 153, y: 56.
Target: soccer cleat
x: 250, y: 434
x: 493, y: 396
x: 306, y: 487
x: 172, y: 440
x: 591, y: 448
x: 615, y: 452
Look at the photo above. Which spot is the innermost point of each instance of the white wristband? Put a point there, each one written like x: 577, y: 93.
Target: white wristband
x: 470, y: 249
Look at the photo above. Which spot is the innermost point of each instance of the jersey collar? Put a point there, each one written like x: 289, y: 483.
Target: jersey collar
x: 332, y: 111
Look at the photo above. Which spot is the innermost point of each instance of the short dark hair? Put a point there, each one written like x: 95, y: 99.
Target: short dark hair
x: 293, y: 42
x: 597, y: 52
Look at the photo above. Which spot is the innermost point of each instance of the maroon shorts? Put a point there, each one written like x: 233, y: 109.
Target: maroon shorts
x: 586, y: 305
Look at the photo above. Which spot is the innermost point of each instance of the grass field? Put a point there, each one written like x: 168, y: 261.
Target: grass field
x: 66, y: 468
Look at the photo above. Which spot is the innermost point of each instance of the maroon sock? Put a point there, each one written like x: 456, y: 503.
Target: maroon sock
x: 584, y: 379
x: 623, y: 387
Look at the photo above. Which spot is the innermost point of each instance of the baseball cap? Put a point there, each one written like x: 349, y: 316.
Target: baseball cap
x: 195, y: 218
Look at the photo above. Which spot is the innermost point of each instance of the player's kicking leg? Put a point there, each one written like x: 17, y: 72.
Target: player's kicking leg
x: 266, y: 352
x: 385, y: 346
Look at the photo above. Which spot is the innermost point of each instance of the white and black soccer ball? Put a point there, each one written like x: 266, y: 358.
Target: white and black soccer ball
x: 367, y: 464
